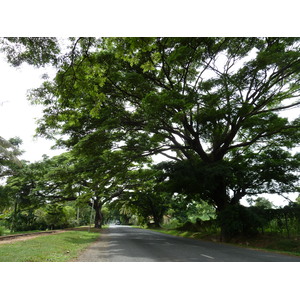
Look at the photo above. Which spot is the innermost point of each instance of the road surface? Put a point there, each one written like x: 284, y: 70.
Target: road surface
x: 127, y: 244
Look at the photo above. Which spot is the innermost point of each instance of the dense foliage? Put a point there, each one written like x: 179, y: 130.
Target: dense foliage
x: 211, y: 106
x: 9, y: 152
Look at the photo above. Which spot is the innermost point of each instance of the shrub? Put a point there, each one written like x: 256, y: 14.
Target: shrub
x: 172, y: 223
x: 239, y: 220
x: 2, y: 229
x: 188, y: 226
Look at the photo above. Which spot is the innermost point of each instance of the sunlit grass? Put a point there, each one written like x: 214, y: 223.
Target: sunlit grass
x: 53, y: 248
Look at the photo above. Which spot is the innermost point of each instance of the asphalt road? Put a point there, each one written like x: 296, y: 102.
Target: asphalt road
x: 126, y: 244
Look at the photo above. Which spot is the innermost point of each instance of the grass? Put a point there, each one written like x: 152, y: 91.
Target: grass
x: 274, y: 242
x: 8, y: 232
x: 187, y: 234
x: 269, y: 242
x: 60, y: 247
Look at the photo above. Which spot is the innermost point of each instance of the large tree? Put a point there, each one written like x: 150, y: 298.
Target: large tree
x: 203, y: 102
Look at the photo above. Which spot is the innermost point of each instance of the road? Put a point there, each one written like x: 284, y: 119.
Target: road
x: 127, y: 244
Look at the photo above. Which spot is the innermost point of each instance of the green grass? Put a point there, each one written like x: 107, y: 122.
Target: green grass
x: 188, y: 234
x: 269, y: 242
x: 53, y: 248
x: 8, y: 232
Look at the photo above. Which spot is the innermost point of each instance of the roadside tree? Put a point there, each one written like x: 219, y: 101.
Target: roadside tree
x: 212, y: 104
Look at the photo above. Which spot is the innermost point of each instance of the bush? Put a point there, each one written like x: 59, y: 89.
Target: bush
x: 58, y: 216
x: 188, y: 226
x: 51, y: 216
x: 288, y: 245
x: 239, y: 220
x: 21, y: 221
x: 172, y: 223
x: 2, y: 230
x: 199, y: 226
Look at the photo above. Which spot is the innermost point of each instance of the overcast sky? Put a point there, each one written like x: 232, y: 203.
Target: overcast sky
x: 17, y: 116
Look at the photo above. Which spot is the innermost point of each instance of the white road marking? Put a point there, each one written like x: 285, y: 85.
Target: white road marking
x: 207, y: 256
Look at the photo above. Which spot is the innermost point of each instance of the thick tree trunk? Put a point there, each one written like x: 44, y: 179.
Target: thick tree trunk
x: 157, y: 215
x: 98, y: 215
x: 222, y: 201
x: 157, y: 220
x: 224, y: 237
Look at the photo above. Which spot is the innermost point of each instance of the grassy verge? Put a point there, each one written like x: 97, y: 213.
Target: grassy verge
x: 56, y: 248
x: 270, y: 242
x: 187, y: 234
x: 8, y: 232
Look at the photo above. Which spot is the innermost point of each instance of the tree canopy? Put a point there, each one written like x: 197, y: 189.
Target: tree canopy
x: 212, y: 106
x: 9, y: 153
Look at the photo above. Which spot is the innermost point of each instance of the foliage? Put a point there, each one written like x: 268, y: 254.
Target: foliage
x: 4, y: 199
x: 261, y: 202
x: 270, y: 171
x: 34, y: 50
x: 144, y: 197
x: 36, y: 196
x: 2, y: 229
x: 238, y: 220
x: 9, y: 150
x: 61, y: 179
x: 211, y: 105
x: 183, y: 209
x: 59, y: 216
x: 52, y: 216
x: 220, y: 92
x: 248, y: 221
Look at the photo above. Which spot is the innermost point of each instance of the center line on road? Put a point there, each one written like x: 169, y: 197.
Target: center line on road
x: 207, y: 256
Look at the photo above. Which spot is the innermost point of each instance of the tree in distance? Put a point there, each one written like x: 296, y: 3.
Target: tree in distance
x: 9, y: 153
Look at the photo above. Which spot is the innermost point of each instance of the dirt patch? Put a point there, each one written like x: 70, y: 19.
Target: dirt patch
x: 9, y: 239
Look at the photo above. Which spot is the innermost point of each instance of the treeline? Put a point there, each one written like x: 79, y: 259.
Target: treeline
x: 51, y: 216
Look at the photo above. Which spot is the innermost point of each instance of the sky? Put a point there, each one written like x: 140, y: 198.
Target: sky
x: 17, y: 116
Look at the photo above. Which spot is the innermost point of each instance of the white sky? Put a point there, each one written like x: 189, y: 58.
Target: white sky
x: 17, y: 115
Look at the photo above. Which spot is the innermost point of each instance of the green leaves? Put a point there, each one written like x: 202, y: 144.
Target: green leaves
x: 36, y: 51
x: 216, y: 103
x: 9, y: 153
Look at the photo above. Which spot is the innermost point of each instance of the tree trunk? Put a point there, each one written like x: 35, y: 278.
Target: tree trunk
x: 14, y: 218
x: 157, y: 215
x: 222, y: 201
x: 98, y: 215
x: 286, y: 224
x: 224, y: 237
x: 157, y: 220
